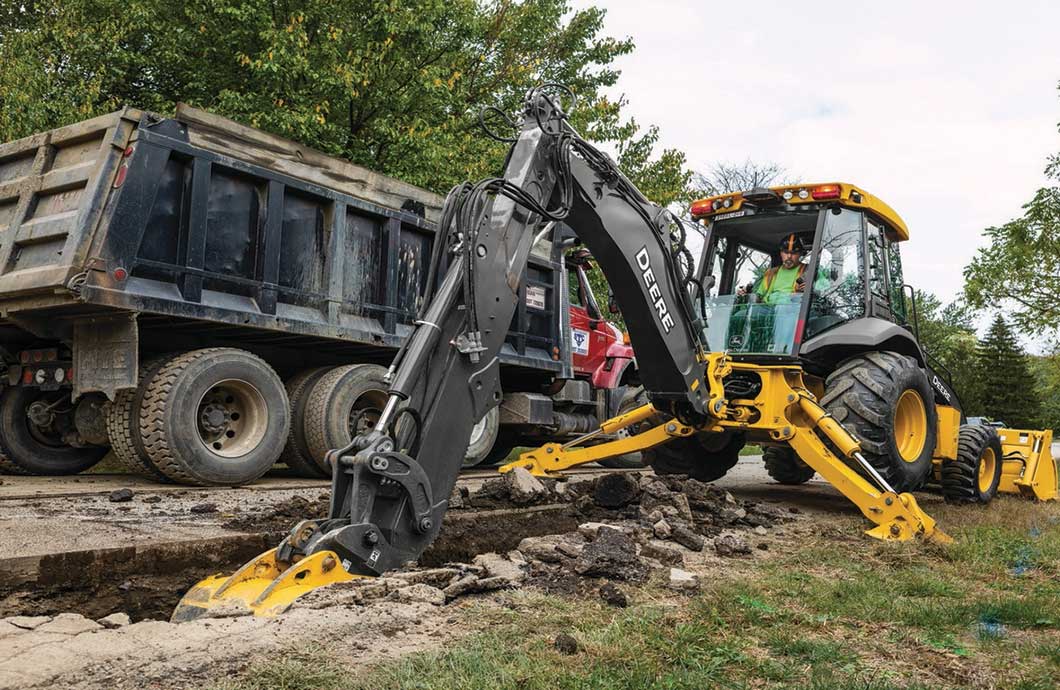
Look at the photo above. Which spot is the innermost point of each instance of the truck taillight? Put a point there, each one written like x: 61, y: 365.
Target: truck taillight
x: 625, y: 339
x: 119, y: 179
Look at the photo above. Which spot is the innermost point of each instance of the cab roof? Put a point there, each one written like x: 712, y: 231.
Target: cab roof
x: 842, y: 193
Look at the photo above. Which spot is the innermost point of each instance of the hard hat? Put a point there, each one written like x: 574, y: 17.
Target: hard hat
x: 792, y: 243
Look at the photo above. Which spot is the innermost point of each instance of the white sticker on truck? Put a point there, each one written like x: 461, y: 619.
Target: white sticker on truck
x: 579, y: 341
x: 535, y: 297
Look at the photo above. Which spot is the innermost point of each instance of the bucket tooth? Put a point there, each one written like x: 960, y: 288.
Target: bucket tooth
x: 264, y: 586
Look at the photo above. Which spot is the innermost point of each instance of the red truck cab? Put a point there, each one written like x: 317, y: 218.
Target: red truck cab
x: 599, y: 348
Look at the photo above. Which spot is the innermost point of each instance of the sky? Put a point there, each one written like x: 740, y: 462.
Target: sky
x: 945, y: 110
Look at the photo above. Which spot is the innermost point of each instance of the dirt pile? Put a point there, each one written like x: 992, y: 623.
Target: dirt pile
x: 278, y: 519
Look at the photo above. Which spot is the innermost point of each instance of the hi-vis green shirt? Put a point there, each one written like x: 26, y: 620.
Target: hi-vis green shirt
x: 778, y: 284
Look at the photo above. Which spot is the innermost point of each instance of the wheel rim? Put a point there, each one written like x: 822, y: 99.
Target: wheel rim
x: 910, y: 426
x: 366, y: 410
x: 232, y: 418
x: 50, y: 434
x: 987, y: 467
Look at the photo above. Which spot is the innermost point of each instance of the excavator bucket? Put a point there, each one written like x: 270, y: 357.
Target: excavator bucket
x: 1028, y: 466
x: 264, y: 585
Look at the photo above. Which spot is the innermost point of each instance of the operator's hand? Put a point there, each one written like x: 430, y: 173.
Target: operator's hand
x: 741, y: 291
x: 800, y: 285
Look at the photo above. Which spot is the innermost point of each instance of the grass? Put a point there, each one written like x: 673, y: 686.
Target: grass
x: 831, y: 612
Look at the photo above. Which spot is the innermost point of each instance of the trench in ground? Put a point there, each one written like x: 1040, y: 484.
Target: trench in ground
x: 146, y: 582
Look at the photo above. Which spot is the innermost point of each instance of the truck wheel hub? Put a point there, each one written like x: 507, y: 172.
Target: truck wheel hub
x: 233, y: 418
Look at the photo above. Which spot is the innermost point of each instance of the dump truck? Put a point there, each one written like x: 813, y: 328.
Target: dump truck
x: 208, y: 299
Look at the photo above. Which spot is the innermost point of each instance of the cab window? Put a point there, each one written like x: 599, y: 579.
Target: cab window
x: 839, y: 290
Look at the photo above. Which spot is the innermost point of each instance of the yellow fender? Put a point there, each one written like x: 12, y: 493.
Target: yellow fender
x: 1029, y: 468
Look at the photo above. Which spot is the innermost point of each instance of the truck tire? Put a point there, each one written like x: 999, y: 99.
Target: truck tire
x: 483, y: 437
x: 885, y: 400
x: 785, y: 467
x: 703, y: 456
x: 123, y: 424
x: 343, y: 397
x: 296, y: 452
x: 217, y: 416
x: 28, y: 448
x: 974, y: 475
x: 634, y: 398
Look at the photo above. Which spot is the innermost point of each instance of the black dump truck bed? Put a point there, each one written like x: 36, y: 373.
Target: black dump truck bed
x: 131, y: 230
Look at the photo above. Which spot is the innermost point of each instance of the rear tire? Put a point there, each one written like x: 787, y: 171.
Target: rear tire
x: 703, y: 456
x: 785, y: 467
x: 216, y: 416
x: 884, y: 399
x: 26, y: 448
x: 123, y: 424
x: 340, y: 395
x: 973, y: 477
x: 296, y: 452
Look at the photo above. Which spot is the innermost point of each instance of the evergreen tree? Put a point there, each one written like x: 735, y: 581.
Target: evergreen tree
x: 1008, y: 390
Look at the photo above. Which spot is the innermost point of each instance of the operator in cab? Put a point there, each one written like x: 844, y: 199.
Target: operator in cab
x: 780, y: 282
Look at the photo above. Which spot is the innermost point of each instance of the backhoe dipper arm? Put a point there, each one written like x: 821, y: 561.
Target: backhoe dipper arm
x: 390, y: 487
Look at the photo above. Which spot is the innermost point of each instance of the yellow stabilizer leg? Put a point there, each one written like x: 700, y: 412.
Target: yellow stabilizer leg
x: 897, y: 516
x: 1029, y: 468
x: 553, y: 458
x: 264, y: 585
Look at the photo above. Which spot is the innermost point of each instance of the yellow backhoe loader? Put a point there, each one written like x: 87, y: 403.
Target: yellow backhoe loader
x: 704, y: 391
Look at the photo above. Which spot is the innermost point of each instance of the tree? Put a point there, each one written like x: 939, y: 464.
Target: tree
x: 947, y: 333
x: 1008, y: 389
x: 1046, y: 371
x: 395, y: 86
x: 1021, y: 264
x: 723, y: 178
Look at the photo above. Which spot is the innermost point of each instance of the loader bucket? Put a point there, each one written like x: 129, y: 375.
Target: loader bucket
x: 264, y: 586
x: 1029, y: 468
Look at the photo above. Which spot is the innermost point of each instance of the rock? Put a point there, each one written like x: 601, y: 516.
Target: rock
x: 487, y: 584
x: 28, y: 622
x: 656, y: 489
x: 687, y: 538
x: 662, y: 553
x: 651, y: 516
x: 589, y: 530
x: 523, y: 487
x: 761, y: 531
x: 517, y: 558
x: 435, y: 577
x: 69, y: 624
x: 682, y: 580
x: 565, y: 644
x: 120, y: 496
x: 616, y: 490
x: 152, y: 499
x: 662, y: 529
x: 421, y: 593
x: 731, y: 544
x: 762, y: 546
x: 613, y: 596
x: 570, y: 549
x: 731, y: 514
x: 496, y: 565
x: 541, y: 548
x: 464, y: 585
x: 612, y: 555
x: 114, y: 620
x: 561, y: 490
x: 203, y: 508
x: 456, y: 499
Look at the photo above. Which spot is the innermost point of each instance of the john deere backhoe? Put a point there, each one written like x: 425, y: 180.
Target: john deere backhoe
x: 390, y: 485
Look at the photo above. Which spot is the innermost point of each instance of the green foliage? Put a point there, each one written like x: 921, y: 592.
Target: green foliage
x: 1021, y: 264
x: 395, y: 86
x: 1008, y: 389
x: 1046, y: 372
x: 947, y: 332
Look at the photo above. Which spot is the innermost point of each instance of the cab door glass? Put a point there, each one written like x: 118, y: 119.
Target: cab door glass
x: 879, y: 292
x: 838, y: 292
x: 894, y: 267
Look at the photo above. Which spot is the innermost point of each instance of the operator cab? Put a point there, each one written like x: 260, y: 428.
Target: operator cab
x: 850, y: 267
